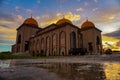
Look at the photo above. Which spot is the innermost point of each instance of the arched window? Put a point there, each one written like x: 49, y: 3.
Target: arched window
x: 62, y: 43
x: 80, y: 40
x: 73, y: 40
x: 42, y: 43
x: 26, y: 45
x: 97, y: 40
x: 48, y: 45
x: 54, y: 43
x: 37, y: 43
x: 19, y: 39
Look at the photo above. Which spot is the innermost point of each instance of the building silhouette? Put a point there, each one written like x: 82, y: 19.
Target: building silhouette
x: 57, y: 39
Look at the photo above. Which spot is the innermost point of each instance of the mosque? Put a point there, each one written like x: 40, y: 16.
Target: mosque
x: 57, y: 39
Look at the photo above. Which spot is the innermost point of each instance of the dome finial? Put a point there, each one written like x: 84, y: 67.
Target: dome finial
x: 63, y: 16
x: 31, y: 15
x: 87, y: 19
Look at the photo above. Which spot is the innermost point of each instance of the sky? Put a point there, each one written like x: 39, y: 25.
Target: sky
x: 105, y: 14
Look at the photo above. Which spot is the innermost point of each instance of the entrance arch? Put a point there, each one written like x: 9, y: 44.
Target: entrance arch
x: 73, y: 40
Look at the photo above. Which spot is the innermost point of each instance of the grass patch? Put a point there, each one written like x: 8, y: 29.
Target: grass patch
x: 9, y: 55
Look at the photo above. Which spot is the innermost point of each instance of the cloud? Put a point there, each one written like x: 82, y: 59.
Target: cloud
x: 5, y: 25
x: 110, y: 42
x: 8, y: 29
x: 79, y: 9
x: 17, y: 9
x: 48, y: 19
x: 86, y: 4
x: 94, y: 9
x: 109, y: 16
x: 29, y: 11
x: 72, y: 17
x: 38, y: 1
x: 118, y: 43
x: 95, y: 1
x: 5, y: 16
x: 6, y: 42
x: 5, y: 33
x: 115, y: 34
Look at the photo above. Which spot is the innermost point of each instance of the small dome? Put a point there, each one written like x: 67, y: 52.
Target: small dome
x: 87, y: 24
x: 31, y: 21
x: 61, y: 21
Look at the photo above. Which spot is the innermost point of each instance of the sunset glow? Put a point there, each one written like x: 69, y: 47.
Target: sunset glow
x: 104, y: 13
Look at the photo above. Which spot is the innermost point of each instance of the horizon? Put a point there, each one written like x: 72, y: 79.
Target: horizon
x: 103, y: 13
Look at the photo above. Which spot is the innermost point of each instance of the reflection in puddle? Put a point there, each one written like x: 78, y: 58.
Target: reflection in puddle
x: 112, y: 71
x: 5, y: 63
x: 71, y: 71
x: 76, y: 71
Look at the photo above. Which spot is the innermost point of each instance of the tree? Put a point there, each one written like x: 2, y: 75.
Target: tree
x: 108, y: 51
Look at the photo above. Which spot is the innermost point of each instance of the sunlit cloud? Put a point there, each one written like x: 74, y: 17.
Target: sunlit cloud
x: 111, y: 43
x: 47, y: 19
x: 109, y: 16
x: 72, y: 17
x: 8, y: 29
x: 6, y: 33
x: 79, y: 9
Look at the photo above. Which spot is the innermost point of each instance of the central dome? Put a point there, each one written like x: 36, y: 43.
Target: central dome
x: 31, y: 21
x: 87, y: 24
x: 61, y: 21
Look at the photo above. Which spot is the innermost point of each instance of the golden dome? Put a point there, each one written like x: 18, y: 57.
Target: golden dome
x: 31, y: 21
x: 61, y: 21
x: 87, y: 24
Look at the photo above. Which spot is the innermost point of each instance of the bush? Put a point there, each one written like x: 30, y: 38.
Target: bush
x: 9, y: 55
x: 108, y: 51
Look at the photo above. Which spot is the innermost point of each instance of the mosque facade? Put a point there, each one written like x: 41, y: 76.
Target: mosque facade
x: 57, y: 39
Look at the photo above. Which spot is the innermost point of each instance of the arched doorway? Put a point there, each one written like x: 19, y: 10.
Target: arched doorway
x: 42, y: 46
x: 19, y: 39
x: 73, y: 39
x: 98, y: 44
x: 26, y: 45
x: 80, y: 41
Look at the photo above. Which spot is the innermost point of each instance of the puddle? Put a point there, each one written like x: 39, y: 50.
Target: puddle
x: 5, y: 63
x: 60, y: 71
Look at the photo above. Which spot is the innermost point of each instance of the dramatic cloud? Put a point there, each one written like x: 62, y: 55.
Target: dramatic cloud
x: 115, y: 34
x: 8, y: 29
x: 105, y: 14
x: 6, y: 42
x: 109, y: 16
x: 47, y: 19
x: 110, y: 42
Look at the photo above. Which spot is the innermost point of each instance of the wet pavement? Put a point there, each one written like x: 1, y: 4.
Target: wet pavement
x: 46, y: 70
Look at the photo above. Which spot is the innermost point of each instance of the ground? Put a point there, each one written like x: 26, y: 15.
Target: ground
x: 88, y: 67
